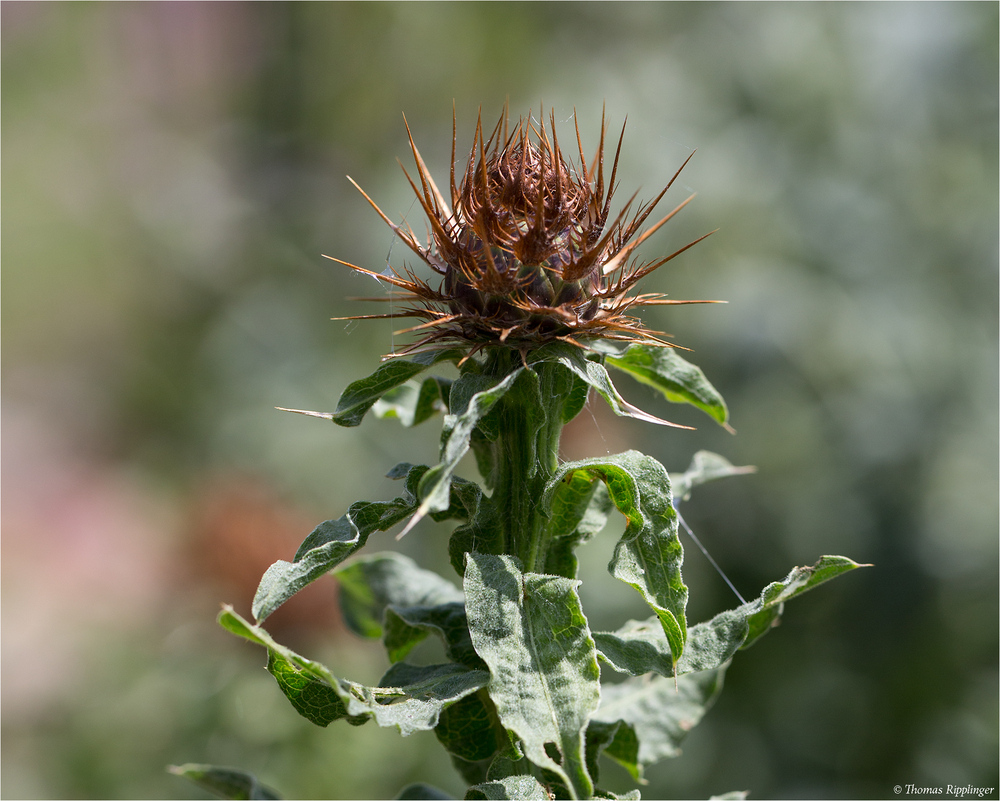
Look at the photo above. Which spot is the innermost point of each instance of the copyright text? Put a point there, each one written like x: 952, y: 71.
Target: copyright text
x: 946, y: 791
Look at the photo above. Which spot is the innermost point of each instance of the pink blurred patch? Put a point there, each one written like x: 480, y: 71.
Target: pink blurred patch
x: 87, y: 547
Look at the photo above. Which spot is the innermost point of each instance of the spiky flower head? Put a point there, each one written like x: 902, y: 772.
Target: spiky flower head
x: 524, y: 248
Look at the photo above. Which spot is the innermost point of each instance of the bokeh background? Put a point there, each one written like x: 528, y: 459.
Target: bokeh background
x: 172, y: 173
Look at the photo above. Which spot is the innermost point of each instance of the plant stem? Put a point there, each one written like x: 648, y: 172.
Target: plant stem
x: 529, y: 421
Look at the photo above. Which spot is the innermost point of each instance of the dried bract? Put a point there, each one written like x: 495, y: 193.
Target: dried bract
x: 524, y: 248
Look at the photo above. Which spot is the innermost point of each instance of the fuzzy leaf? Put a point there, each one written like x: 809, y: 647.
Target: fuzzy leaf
x: 660, y: 712
x: 412, y: 403
x: 389, y: 596
x: 595, y: 375
x: 311, y: 697
x: 422, y: 692
x: 458, y: 430
x: 331, y: 543
x: 483, y: 534
x: 569, y: 503
x: 468, y: 730
x: 408, y: 698
x: 617, y: 741
x: 575, y: 398
x: 640, y: 647
x: 762, y: 613
x: 405, y: 627
x: 649, y: 555
x: 705, y: 466
x: 482, y: 449
x: 677, y: 379
x: 579, y: 509
x: 362, y: 394
x: 531, y: 631
x: 371, y: 584
x: 468, y: 385
x: 464, y: 501
x: 524, y: 788
x: 225, y: 782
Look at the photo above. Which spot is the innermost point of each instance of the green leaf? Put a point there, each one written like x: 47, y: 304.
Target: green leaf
x: 457, y: 432
x: 389, y: 596
x: 660, y: 712
x: 422, y: 692
x: 482, y: 449
x: 762, y: 613
x: 224, y: 782
x: 705, y: 466
x: 337, y: 539
x: 526, y: 788
x: 617, y: 741
x: 578, y: 510
x: 649, y: 555
x: 595, y: 375
x: 575, y: 398
x: 362, y: 394
x: 370, y: 584
x: 331, y: 543
x: 412, y: 403
x: 469, y: 729
x: 316, y: 694
x: 712, y: 644
x: 640, y: 647
x: 569, y: 503
x: 545, y: 682
x: 483, y: 534
x: 408, y: 698
x: 468, y: 385
x: 405, y: 627
x: 677, y: 379
x: 311, y: 697
x: 466, y: 496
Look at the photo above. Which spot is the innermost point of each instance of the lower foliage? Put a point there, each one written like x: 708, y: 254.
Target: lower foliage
x: 519, y: 704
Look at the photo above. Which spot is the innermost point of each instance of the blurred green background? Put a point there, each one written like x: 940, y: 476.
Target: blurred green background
x: 172, y: 173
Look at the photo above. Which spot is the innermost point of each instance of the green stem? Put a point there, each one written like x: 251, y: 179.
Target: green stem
x: 529, y: 421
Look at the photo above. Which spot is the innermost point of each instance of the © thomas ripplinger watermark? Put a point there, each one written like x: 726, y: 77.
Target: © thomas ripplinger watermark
x: 947, y: 791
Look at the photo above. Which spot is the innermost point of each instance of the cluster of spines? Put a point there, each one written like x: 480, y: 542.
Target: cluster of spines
x: 522, y: 248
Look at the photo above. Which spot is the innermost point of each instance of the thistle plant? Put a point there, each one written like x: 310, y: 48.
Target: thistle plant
x: 532, y: 298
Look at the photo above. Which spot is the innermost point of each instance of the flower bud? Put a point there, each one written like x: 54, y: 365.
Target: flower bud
x: 524, y: 250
